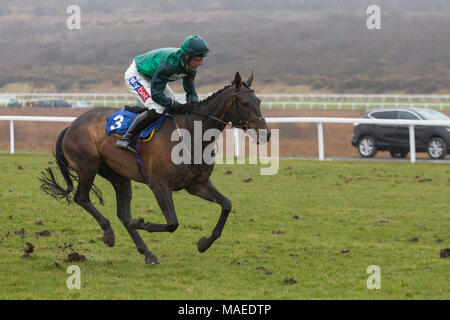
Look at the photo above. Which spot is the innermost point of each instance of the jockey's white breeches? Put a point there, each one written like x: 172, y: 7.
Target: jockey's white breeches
x: 140, y: 87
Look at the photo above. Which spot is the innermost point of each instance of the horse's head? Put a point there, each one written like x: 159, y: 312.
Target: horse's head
x: 245, y: 113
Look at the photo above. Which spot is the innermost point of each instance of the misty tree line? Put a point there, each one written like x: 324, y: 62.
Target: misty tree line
x: 329, y: 49
x: 54, y: 7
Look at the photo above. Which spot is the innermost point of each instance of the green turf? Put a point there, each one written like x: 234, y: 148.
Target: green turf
x: 321, y: 224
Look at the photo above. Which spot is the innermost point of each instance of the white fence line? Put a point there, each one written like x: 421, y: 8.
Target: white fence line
x: 276, y: 96
x: 319, y: 121
x: 11, y: 120
x: 305, y: 104
x: 355, y: 105
x: 369, y: 97
x: 324, y: 101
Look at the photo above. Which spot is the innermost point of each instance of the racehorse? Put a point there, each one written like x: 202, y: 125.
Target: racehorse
x: 84, y: 150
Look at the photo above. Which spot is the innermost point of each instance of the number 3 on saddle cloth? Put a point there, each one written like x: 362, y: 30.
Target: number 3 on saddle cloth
x: 119, y: 122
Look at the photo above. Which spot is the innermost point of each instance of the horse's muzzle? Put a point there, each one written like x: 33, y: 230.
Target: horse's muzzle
x: 263, y: 136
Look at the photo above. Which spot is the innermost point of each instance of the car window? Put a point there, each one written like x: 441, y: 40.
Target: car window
x: 406, y: 115
x: 384, y: 114
x: 430, y: 114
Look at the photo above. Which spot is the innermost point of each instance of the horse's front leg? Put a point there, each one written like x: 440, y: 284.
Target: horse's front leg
x: 208, y: 192
x: 163, y: 196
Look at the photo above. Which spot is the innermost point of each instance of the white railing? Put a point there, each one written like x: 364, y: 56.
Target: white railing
x: 11, y: 120
x: 353, y: 105
x: 319, y: 121
x: 369, y: 97
x: 276, y: 96
x: 311, y: 101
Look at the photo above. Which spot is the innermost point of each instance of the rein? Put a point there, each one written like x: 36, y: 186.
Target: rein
x: 208, y: 116
x: 241, y: 124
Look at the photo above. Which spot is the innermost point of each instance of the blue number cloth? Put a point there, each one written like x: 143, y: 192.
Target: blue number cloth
x: 119, y: 122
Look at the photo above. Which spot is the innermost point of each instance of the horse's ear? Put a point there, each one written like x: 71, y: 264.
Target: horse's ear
x: 237, y: 80
x: 250, y: 80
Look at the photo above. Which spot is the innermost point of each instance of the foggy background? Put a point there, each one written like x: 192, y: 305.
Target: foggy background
x: 293, y: 46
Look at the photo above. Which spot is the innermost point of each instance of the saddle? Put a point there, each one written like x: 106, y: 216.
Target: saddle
x: 135, y: 109
x: 119, y: 122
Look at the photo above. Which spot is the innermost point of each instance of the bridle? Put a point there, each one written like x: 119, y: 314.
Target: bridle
x: 240, y: 124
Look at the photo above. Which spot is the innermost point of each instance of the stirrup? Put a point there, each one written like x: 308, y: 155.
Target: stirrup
x: 125, y: 145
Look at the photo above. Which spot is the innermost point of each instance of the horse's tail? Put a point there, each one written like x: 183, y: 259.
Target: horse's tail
x: 49, y: 183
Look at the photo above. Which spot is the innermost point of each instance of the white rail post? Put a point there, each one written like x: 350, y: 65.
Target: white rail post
x: 412, y: 144
x: 236, y: 142
x: 11, y: 136
x: 320, y: 137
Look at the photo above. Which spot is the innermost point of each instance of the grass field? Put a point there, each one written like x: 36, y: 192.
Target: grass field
x: 321, y: 225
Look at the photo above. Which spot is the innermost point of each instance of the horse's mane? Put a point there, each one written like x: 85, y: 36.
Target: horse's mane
x: 212, y: 96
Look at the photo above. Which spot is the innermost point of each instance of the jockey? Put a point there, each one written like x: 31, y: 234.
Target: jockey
x: 147, y: 79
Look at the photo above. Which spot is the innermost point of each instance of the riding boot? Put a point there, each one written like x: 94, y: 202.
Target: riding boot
x: 143, y: 120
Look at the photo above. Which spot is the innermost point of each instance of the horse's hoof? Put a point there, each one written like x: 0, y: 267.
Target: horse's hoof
x: 109, y: 238
x: 136, y: 223
x: 203, y: 244
x: 151, y: 259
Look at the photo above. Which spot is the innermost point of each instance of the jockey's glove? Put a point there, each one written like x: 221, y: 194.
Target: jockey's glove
x: 183, y: 108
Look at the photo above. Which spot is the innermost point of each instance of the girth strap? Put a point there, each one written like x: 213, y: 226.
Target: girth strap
x: 140, y: 160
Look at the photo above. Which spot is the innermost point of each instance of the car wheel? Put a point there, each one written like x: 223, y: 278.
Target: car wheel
x: 437, y: 149
x: 397, y: 154
x: 366, y: 147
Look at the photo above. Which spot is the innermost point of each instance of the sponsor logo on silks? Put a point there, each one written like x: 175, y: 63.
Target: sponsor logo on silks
x: 135, y: 83
x: 139, y: 88
x: 143, y: 94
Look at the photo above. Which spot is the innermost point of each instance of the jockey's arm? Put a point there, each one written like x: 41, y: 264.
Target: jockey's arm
x: 158, y: 85
x: 189, y: 87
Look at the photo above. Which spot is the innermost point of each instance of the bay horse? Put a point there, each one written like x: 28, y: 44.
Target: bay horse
x: 84, y: 150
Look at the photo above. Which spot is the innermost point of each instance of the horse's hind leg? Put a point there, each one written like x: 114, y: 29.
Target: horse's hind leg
x: 164, y: 198
x: 86, y: 179
x: 208, y: 192
x: 122, y: 187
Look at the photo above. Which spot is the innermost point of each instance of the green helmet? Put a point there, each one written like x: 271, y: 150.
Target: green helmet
x: 195, y: 46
